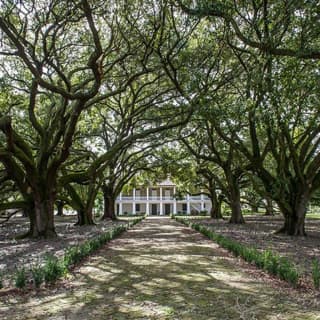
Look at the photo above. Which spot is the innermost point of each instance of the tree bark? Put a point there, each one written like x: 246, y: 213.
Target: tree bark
x: 215, y: 212
x: 294, y: 215
x: 269, y: 207
x: 85, y: 217
x: 59, y: 205
x: 109, y: 204
x: 234, y: 199
x: 236, y: 213
x: 254, y: 208
x: 42, y: 217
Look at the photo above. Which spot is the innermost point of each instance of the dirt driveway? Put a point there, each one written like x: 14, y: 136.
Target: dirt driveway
x: 161, y: 270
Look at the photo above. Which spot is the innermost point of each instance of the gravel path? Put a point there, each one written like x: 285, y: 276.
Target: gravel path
x: 160, y: 270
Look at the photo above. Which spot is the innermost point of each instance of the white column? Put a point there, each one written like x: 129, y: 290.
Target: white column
x: 133, y: 208
x: 147, y: 209
x: 174, y: 190
x: 175, y: 207
x: 161, y: 206
x: 134, y: 201
x: 202, y: 200
x: 188, y: 204
x: 120, y: 208
x: 120, y: 196
x: 147, y: 203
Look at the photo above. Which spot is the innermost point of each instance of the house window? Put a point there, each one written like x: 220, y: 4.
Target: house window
x: 137, y: 207
x: 204, y: 205
x: 184, y: 207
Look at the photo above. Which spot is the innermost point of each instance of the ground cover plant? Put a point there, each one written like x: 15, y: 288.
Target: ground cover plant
x: 51, y: 267
x: 95, y: 99
x: 270, y: 260
x: 179, y: 274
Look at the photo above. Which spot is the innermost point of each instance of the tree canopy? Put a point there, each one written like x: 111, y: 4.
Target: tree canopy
x: 89, y: 93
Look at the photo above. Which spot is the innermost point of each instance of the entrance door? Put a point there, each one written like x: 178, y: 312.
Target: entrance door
x: 153, y: 209
x: 167, y: 209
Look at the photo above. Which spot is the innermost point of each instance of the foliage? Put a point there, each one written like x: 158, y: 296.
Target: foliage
x: 316, y: 273
x: 52, y: 269
x: 37, y: 275
x: 267, y: 260
x: 20, y: 278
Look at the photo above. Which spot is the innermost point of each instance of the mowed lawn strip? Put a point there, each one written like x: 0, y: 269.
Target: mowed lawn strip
x: 161, y: 269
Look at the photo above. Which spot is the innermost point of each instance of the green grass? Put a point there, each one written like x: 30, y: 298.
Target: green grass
x: 313, y: 215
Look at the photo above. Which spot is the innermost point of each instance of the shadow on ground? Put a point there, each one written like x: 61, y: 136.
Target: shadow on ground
x: 160, y: 270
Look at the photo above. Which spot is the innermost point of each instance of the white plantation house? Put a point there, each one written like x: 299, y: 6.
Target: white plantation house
x: 160, y: 200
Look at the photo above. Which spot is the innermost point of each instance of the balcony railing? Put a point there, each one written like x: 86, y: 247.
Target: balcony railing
x: 157, y: 198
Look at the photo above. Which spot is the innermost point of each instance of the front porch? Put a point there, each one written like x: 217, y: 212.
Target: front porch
x: 153, y: 208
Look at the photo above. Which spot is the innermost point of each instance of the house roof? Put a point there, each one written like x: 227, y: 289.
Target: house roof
x: 166, y: 182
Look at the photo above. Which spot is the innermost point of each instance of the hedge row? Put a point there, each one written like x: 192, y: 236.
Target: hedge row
x: 54, y: 268
x: 267, y: 260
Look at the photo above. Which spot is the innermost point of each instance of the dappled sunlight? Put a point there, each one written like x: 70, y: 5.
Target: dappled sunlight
x: 140, y: 276
x: 259, y: 232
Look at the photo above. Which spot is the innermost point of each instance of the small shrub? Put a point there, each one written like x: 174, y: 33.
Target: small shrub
x: 95, y: 244
x: 71, y: 256
x: 270, y: 262
x: 37, y: 275
x: 316, y: 273
x: 203, y: 212
x: 85, y: 249
x: 287, y: 271
x: 266, y: 260
x: 53, y: 269
x: 20, y: 278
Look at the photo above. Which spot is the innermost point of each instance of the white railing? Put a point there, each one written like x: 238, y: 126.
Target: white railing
x: 157, y: 198
x: 195, y: 197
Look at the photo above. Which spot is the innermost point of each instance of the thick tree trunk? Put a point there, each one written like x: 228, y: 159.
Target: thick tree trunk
x: 30, y: 213
x: 59, y: 205
x: 235, y: 204
x: 25, y: 213
x: 236, y: 213
x: 294, y: 217
x: 109, y: 205
x: 42, y: 217
x: 254, y: 208
x: 85, y: 217
x: 215, y: 212
x: 269, y: 207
